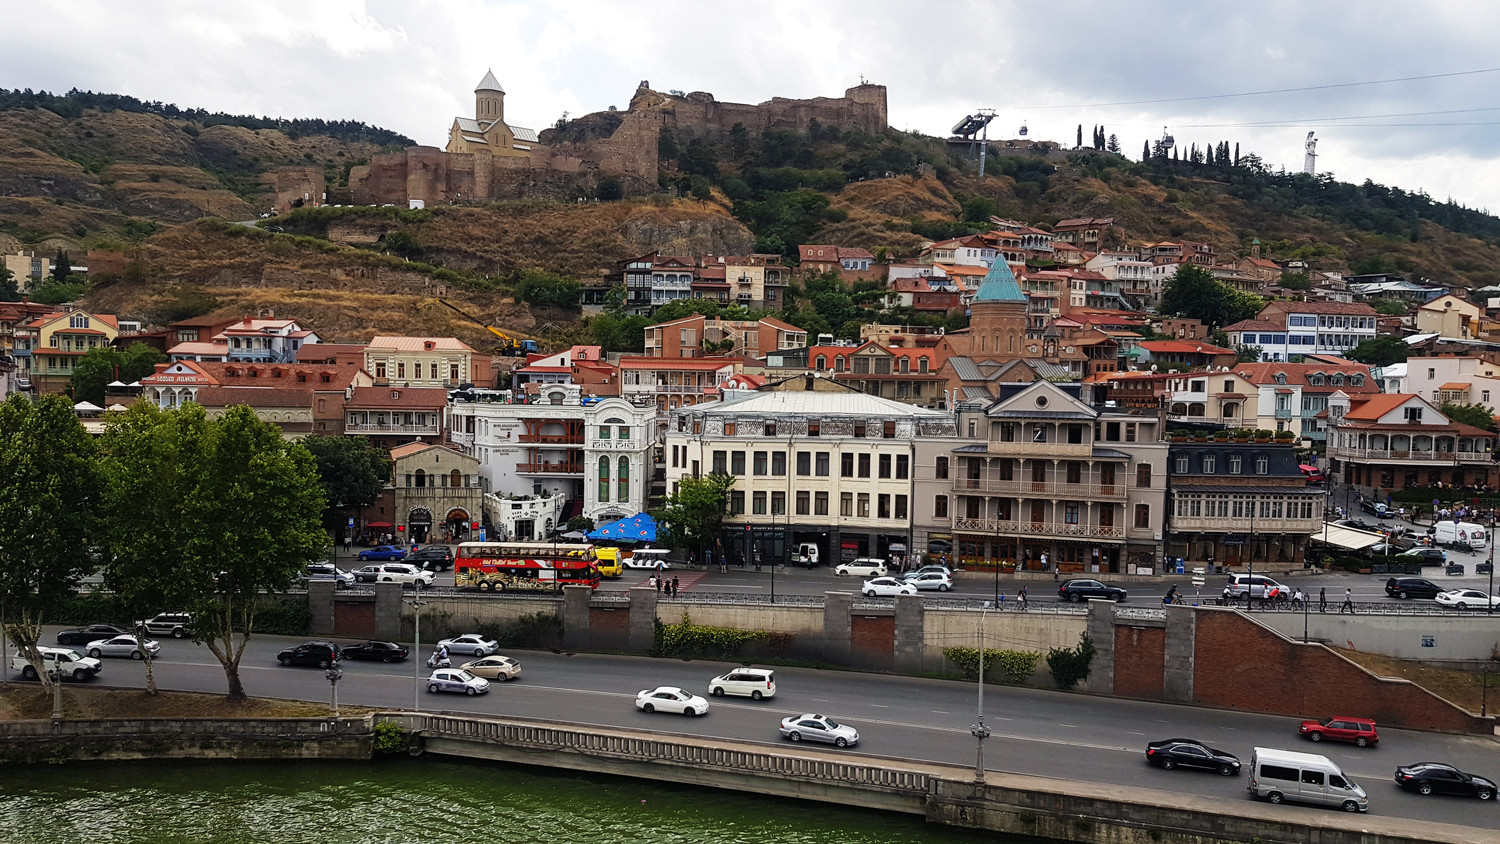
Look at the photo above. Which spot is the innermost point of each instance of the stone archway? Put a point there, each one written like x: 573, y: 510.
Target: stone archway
x: 419, y: 525
x: 456, y: 525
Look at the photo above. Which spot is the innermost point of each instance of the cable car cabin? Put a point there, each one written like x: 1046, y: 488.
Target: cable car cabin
x: 524, y: 566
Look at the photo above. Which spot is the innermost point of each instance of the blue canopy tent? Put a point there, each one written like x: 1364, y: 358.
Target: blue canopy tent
x: 638, y: 528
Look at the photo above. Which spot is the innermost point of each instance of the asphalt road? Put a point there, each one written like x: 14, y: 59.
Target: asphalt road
x: 1069, y: 736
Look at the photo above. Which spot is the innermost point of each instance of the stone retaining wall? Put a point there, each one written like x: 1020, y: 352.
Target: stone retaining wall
x: 128, y: 739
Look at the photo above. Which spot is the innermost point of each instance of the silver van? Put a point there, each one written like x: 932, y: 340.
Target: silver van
x: 1278, y: 775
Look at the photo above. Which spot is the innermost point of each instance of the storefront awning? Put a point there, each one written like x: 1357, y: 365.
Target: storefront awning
x: 1352, y: 539
x: 377, y: 524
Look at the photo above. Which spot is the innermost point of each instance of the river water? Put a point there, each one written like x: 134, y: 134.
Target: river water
x: 396, y: 801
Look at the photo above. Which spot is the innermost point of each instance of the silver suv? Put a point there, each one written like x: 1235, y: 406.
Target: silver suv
x: 174, y: 624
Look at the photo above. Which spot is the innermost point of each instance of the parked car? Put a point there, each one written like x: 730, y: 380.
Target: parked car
x: 1358, y: 524
x: 754, y: 683
x: 1191, y: 753
x: 403, y: 573
x: 815, y: 727
x: 383, y: 552
x: 1462, y: 599
x: 432, y: 557
x: 124, y: 645
x: 376, y: 650
x: 496, y: 667
x: 70, y: 664
x: 1425, y: 556
x: 470, y: 643
x: 912, y: 575
x: 1386, y: 549
x: 328, y: 571
x: 1377, y: 509
x: 84, y: 635
x: 1078, y: 589
x: 932, y: 581
x: 885, y: 586
x: 670, y: 699
x: 1358, y: 731
x: 861, y: 567
x: 939, y: 547
x: 174, y: 624
x: 1258, y: 586
x: 1411, y: 587
x: 1438, y: 778
x: 456, y: 680
x: 320, y: 654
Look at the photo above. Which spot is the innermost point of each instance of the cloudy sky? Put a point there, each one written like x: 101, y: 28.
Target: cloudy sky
x: 411, y: 65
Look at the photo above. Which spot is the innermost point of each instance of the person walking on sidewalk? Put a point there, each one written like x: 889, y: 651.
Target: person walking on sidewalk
x: 1322, y: 599
x: 1348, y: 602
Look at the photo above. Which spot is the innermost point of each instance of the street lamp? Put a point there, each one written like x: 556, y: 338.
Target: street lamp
x: 416, y: 604
x: 334, y: 675
x: 979, y: 731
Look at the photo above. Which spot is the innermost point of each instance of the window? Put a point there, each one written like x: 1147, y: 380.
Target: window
x: 846, y: 465
x: 736, y: 503
x: 622, y: 478
x: 900, y: 507
x: 940, y: 506
x: 778, y: 463
x: 864, y: 465
x: 758, y: 503
x: 604, y: 479
x: 1234, y: 464
x: 401, y: 369
x: 1262, y: 465
x: 889, y: 431
x: 1208, y: 464
x: 863, y: 510
x: 942, y: 468
x: 859, y: 429
x: 813, y: 428
x: 1075, y: 434
x: 885, y: 466
x: 759, y: 463
x: 903, y: 466
x: 770, y: 429
x: 737, y: 463
x: 820, y: 504
x: 1143, y: 515
x: 822, y: 465
x: 1038, y: 471
x: 721, y: 463
x: 730, y: 428
x: 1414, y: 415
x: 1182, y: 464
x: 883, y: 506
x: 778, y: 503
x: 1143, y: 476
x: 603, y: 432
x: 622, y: 432
x: 1130, y: 428
x: 804, y: 463
x: 803, y: 503
x: 1112, y: 431
x: 846, y: 504
x: 1070, y: 513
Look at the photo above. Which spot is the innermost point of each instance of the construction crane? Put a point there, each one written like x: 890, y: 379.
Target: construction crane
x: 508, y: 345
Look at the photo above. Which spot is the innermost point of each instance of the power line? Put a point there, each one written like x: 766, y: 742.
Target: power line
x: 1350, y: 126
x: 1272, y: 91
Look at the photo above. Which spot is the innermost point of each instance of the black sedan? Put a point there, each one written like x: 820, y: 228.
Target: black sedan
x: 92, y: 633
x: 1437, y: 778
x: 1190, y: 753
x: 1081, y: 589
x: 1412, y: 587
x: 381, y: 651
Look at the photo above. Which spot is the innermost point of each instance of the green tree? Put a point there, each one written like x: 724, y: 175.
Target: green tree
x: 538, y: 287
x: 693, y: 516
x: 1195, y: 294
x: 1247, y: 354
x: 978, y: 209
x: 1295, y: 281
x: 1469, y: 414
x: 9, y: 292
x: 241, y: 506
x: 98, y: 367
x: 58, y: 292
x: 1389, y: 307
x: 1380, y: 351
x: 61, y: 267
x: 352, y: 472
x: 619, y: 333
x: 48, y: 504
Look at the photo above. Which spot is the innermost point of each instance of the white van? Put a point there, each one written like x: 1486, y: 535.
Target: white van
x: 806, y: 554
x: 1278, y: 775
x: 1257, y: 585
x: 1458, y: 534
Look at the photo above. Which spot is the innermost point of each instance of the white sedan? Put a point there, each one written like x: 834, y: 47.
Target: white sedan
x: 1462, y: 599
x: 670, y: 699
x: 887, y: 586
x: 470, y: 643
x: 456, y: 680
x: 814, y: 727
x: 123, y: 646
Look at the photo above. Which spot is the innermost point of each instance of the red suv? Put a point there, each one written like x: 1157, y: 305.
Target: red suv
x: 1360, y: 731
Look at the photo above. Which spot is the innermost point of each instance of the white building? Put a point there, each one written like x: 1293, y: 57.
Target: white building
x: 1445, y: 380
x: 1284, y: 329
x: 596, y: 452
x: 831, y: 468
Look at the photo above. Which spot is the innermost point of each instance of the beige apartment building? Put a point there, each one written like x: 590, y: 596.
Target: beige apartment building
x: 426, y: 362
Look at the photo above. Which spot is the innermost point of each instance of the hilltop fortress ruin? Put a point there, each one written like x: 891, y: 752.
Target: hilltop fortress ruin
x: 488, y: 159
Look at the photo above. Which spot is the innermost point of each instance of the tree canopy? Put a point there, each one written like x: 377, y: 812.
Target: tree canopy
x: 1477, y: 415
x: 693, y: 516
x: 1380, y: 351
x: 351, y: 471
x: 1195, y: 294
x: 98, y: 367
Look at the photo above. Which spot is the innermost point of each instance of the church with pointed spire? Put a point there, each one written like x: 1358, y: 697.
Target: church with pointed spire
x: 487, y: 131
x: 997, y: 316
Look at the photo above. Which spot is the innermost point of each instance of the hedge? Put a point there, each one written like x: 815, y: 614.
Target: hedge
x: 999, y: 666
x: 686, y: 639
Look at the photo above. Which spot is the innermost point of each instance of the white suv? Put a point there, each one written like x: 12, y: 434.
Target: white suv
x: 754, y: 683
x: 402, y: 573
x: 862, y: 567
x: 1256, y: 585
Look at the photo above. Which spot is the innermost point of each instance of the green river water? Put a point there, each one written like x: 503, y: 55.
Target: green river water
x: 402, y: 800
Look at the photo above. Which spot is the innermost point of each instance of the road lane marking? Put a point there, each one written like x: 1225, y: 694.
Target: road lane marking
x: 942, y: 712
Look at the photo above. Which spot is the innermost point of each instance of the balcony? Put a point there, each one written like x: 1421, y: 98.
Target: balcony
x: 551, y: 439
x: 438, y: 491
x: 1262, y: 527
x: 1283, y: 413
x: 549, y: 468
x: 1050, y: 488
x: 1411, y: 455
x: 1039, y: 529
x: 377, y: 429
x: 1047, y: 449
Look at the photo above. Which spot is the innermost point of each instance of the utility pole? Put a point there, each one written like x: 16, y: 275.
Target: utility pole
x: 979, y: 730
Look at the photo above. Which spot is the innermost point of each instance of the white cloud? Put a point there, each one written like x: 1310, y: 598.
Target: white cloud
x: 410, y: 65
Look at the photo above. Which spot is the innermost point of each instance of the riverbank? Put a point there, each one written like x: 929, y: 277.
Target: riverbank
x: 28, y: 701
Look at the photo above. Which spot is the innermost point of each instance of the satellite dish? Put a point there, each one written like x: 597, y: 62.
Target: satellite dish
x: 1153, y: 367
x: 1023, y: 128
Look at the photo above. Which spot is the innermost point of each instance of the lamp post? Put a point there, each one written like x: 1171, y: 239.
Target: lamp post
x: 1491, y: 604
x: 979, y: 730
x: 416, y: 654
x: 334, y: 675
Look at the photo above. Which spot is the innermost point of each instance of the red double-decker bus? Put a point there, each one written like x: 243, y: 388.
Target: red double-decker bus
x: 524, y: 566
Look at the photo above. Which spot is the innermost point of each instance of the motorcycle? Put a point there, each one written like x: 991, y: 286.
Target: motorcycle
x: 439, y: 660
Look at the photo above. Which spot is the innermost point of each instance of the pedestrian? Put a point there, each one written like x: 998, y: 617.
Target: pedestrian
x: 674, y: 586
x: 348, y: 542
x: 659, y: 584
x: 1021, y: 596
x: 1044, y: 563
x: 723, y: 563
x: 1348, y: 601
x: 1322, y: 599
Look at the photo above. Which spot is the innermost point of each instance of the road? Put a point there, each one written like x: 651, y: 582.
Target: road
x: 1040, y: 732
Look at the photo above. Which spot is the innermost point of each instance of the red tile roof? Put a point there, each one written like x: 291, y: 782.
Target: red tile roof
x: 292, y: 395
x: 1378, y: 405
x: 417, y: 398
x: 1184, y: 346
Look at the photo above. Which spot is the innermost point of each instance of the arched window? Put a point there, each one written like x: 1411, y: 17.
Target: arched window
x: 421, y: 478
x: 455, y: 478
x: 604, y: 479
x: 622, y: 492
